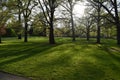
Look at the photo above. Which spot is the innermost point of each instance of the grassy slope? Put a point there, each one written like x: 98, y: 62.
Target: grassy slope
x: 80, y: 60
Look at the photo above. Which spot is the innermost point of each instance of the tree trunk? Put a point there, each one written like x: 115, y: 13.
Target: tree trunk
x: 25, y: 33
x: 118, y: 33
x: 88, y: 34
x: 19, y: 36
x: 73, y: 29
x: 98, y: 34
x: 19, y: 17
x: 51, y: 34
x: 98, y: 29
x: 98, y: 24
x: 72, y: 22
x: 117, y: 21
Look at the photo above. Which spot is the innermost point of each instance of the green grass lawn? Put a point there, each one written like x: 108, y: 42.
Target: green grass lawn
x: 66, y: 60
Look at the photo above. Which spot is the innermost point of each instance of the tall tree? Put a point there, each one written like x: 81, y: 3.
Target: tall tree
x: 69, y: 6
x: 27, y: 7
x: 87, y: 21
x: 19, y: 17
x: 48, y: 7
x: 97, y: 15
x: 14, y: 7
x: 98, y: 22
x: 111, y: 6
x: 4, y: 16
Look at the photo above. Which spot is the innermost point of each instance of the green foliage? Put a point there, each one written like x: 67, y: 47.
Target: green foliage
x: 15, y: 25
x: 9, y: 33
x: 66, y: 60
x: 39, y: 25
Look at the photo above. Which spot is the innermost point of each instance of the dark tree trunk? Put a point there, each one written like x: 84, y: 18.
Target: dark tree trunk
x: 19, y: 17
x: 117, y: 21
x: 26, y: 32
x: 98, y: 24
x: 51, y: 34
x: 98, y: 29
x: 73, y: 29
x: 118, y: 33
x: 88, y: 34
x: 19, y: 36
x: 49, y: 16
x: 72, y: 22
x: 98, y: 34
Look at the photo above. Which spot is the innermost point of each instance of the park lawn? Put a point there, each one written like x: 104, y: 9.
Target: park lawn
x: 66, y: 60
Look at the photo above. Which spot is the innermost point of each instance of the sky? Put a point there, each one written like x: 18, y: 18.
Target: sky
x: 79, y: 10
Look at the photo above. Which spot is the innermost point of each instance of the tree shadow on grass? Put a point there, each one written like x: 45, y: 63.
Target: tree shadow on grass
x: 114, y: 53
x: 61, y: 69
x: 105, y: 57
x: 21, y: 48
x: 109, y: 61
x: 29, y: 50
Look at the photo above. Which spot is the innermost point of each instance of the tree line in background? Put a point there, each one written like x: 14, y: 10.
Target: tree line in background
x: 56, y: 18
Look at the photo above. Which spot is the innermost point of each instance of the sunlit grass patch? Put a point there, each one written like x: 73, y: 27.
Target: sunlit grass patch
x: 66, y: 60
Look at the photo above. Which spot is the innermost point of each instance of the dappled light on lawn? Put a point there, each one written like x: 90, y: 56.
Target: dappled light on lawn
x: 63, y: 61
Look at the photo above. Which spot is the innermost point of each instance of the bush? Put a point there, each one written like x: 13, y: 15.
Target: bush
x: 10, y: 33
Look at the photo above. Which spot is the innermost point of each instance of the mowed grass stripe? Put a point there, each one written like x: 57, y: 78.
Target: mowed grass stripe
x: 66, y: 60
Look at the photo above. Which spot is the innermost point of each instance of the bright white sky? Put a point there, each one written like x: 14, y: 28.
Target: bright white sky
x: 79, y: 10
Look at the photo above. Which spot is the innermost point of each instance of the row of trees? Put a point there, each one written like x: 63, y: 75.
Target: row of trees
x: 41, y: 13
x: 102, y: 14
x: 113, y: 11
x: 107, y: 10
